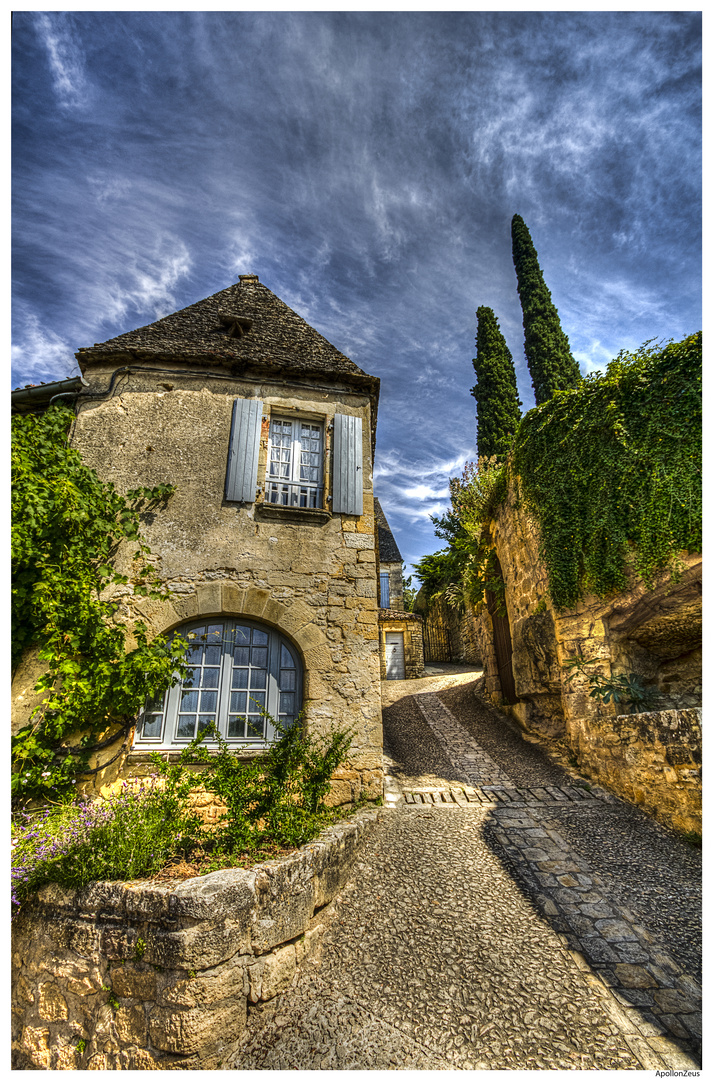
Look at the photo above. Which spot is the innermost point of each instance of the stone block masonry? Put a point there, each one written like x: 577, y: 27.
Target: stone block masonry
x: 141, y: 976
x: 651, y: 759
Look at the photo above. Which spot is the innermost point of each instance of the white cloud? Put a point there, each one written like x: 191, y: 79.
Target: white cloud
x: 422, y: 491
x: 41, y: 355
x: 107, y: 188
x: 145, y: 281
x: 66, y: 60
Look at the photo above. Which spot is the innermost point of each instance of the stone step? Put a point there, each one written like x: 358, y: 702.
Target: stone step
x: 495, y: 794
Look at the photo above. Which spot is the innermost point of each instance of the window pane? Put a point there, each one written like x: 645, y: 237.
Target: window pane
x: 288, y: 680
x: 215, y: 633
x: 186, y: 727
x: 239, y: 678
x: 189, y: 701
x: 238, y: 702
x: 286, y: 659
x: 236, y: 727
x: 192, y: 678
x: 203, y: 721
x: 286, y: 704
x: 212, y: 654
x: 259, y: 637
x: 208, y: 701
x: 258, y: 679
x: 257, y: 702
x: 255, y: 727
x: 194, y: 654
x: 211, y: 677
x: 242, y: 635
x: 259, y: 658
x: 242, y: 655
x: 152, y: 723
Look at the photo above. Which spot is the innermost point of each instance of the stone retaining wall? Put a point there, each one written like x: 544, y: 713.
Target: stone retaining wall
x: 143, y: 976
x: 654, y: 759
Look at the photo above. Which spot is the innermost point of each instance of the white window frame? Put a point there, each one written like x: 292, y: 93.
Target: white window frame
x: 164, y: 725
x: 285, y: 484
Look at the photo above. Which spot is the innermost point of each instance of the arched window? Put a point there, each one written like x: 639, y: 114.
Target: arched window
x: 238, y: 669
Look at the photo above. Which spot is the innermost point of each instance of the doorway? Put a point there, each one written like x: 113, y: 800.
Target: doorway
x: 395, y: 656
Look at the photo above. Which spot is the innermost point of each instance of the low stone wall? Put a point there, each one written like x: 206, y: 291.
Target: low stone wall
x: 653, y: 759
x: 140, y: 976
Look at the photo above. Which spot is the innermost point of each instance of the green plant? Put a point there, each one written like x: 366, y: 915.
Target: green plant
x: 551, y: 364
x: 127, y: 836
x: 81, y: 1046
x: 692, y: 838
x: 67, y: 529
x: 112, y: 999
x: 465, y: 569
x: 498, y: 405
x: 615, y: 688
x: 277, y: 798
x: 613, y: 469
x: 139, y: 949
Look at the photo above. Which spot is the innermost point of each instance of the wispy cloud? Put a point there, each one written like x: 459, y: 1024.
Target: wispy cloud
x: 40, y: 353
x: 366, y: 165
x: 66, y: 60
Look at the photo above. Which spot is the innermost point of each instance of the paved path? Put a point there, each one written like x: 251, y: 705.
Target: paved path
x: 476, y: 934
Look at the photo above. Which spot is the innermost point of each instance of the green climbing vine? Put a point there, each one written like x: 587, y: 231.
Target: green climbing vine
x: 66, y: 530
x: 613, y: 470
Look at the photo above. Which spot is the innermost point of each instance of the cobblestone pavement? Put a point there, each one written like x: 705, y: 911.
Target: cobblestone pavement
x: 453, y: 946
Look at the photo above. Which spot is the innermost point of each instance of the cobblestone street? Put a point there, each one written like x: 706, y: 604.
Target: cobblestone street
x: 505, y: 914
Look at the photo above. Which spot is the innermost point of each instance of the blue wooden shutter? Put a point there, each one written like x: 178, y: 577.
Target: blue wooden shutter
x: 347, y: 494
x: 241, y: 480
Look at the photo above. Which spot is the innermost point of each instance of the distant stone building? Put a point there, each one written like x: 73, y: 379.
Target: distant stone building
x: 401, y: 632
x: 267, y: 545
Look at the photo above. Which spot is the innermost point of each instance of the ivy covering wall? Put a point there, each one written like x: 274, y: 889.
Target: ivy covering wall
x: 612, y: 470
x: 67, y: 526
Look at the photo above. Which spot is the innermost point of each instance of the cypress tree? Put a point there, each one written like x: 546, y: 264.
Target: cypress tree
x: 546, y: 346
x: 498, y: 405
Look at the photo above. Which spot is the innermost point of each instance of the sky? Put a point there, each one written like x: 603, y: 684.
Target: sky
x: 366, y: 166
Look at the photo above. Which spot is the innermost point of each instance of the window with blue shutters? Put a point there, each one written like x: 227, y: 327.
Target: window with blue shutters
x: 295, y: 463
x: 385, y: 589
x: 241, y: 674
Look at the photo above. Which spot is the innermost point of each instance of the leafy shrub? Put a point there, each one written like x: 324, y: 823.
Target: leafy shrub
x: 272, y: 801
x: 127, y: 836
x: 276, y: 798
x: 465, y: 569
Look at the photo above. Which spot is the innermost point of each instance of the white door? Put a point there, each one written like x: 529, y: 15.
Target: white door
x: 395, y: 656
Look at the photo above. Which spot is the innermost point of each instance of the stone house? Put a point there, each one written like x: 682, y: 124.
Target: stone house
x: 268, y: 545
x: 400, y: 631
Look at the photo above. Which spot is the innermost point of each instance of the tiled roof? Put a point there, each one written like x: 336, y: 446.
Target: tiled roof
x: 244, y: 326
x: 387, y: 548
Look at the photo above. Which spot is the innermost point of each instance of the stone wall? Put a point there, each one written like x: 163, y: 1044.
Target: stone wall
x: 461, y: 629
x: 653, y: 759
x: 141, y: 976
x: 652, y: 633
x: 310, y: 574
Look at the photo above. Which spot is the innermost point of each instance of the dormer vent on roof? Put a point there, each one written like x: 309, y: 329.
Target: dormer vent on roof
x: 233, y: 325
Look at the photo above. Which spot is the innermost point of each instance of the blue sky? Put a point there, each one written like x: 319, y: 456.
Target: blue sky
x: 367, y: 167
